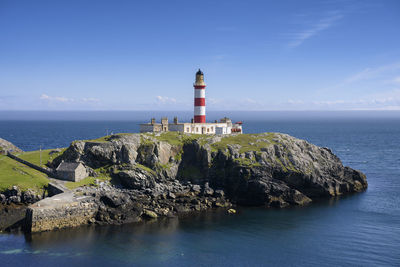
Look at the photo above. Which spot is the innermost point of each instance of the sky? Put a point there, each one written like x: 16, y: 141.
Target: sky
x: 255, y: 55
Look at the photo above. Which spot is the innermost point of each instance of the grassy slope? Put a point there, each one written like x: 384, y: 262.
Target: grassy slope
x: 106, y: 138
x: 247, y: 142
x: 15, y: 173
x: 34, y: 156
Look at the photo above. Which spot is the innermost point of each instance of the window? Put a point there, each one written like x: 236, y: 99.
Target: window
x: 208, y: 130
x: 197, y: 129
x: 187, y: 129
x: 212, y: 128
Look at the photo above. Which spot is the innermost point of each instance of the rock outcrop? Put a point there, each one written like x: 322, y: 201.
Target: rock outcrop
x: 6, y: 146
x: 256, y: 169
x: 166, y: 174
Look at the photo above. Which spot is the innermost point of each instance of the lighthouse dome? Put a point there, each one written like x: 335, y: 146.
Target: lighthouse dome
x: 199, y: 72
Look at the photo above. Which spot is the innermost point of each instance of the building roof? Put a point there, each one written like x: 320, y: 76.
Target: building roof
x: 149, y: 123
x: 68, y: 166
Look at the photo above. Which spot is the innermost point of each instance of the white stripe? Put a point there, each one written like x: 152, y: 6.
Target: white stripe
x: 199, y: 93
x: 199, y: 110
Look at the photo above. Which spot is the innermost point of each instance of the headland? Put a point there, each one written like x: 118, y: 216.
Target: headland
x: 134, y: 177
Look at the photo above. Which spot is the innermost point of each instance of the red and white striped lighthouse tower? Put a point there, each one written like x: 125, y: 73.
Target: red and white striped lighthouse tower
x: 199, y: 98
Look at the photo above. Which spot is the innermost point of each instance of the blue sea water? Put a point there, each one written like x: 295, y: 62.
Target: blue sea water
x: 357, y: 230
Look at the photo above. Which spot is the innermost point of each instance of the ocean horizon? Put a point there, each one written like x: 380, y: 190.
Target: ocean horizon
x: 186, y: 115
x: 356, y: 230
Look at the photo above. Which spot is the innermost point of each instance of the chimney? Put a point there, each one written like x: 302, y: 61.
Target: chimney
x: 176, y: 120
x: 153, y: 121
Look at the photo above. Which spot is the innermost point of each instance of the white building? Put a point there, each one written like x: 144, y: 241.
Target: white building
x: 224, y: 126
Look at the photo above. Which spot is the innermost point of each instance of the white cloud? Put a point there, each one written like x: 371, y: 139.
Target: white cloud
x: 250, y: 101
x: 165, y: 99
x: 321, y: 25
x: 328, y: 102
x: 56, y: 98
x: 76, y: 102
x: 91, y: 100
x: 294, y: 102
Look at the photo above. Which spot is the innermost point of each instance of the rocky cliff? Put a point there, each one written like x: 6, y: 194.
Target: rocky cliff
x: 269, y: 169
x: 6, y: 146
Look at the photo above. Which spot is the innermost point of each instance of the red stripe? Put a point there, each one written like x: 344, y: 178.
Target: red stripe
x: 199, y: 86
x: 199, y: 118
x: 199, y: 101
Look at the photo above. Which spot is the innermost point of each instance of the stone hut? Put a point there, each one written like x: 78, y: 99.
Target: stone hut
x: 71, y: 171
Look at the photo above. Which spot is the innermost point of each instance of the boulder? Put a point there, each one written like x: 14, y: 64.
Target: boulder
x: 150, y: 214
x: 137, y: 178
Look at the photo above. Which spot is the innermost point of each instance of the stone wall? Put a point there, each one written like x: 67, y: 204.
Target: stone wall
x: 66, y: 175
x: 36, y: 167
x: 80, y: 173
x: 39, y: 219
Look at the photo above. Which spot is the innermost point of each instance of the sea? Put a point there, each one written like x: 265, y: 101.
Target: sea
x: 356, y: 230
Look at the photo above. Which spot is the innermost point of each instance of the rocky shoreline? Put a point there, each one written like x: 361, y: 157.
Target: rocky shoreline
x: 165, y: 175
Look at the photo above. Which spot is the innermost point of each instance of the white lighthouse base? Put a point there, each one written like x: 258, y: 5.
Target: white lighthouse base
x: 224, y: 126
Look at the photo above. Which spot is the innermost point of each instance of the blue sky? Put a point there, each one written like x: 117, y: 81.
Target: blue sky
x: 256, y: 55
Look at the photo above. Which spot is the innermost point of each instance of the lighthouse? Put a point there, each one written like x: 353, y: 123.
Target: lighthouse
x: 198, y: 124
x: 199, y: 98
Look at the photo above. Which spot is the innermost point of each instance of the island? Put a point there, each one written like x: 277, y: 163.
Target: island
x: 131, y: 177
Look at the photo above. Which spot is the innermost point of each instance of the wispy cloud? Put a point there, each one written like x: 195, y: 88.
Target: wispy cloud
x: 389, y: 100
x: 370, y: 73
x: 56, y: 98
x: 90, y: 100
x: 300, y: 37
x: 63, y: 99
x: 165, y: 99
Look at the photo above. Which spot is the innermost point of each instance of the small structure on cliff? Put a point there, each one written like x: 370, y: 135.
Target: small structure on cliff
x: 71, y: 171
x: 198, y: 125
x: 224, y: 126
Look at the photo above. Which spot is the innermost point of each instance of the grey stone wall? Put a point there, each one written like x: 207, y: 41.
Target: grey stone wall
x: 69, y: 215
x: 36, y: 167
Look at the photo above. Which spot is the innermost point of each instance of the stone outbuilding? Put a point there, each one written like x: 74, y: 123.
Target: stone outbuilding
x: 71, y: 171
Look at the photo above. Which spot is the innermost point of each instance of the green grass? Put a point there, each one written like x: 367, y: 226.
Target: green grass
x: 247, y: 142
x: 106, y: 138
x: 173, y: 138
x: 177, y: 138
x: 15, y: 173
x: 34, y: 156
x: 147, y: 169
x: 89, y: 181
x: 247, y: 162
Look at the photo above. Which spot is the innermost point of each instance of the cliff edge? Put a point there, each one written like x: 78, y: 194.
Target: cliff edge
x: 6, y: 146
x: 269, y: 169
